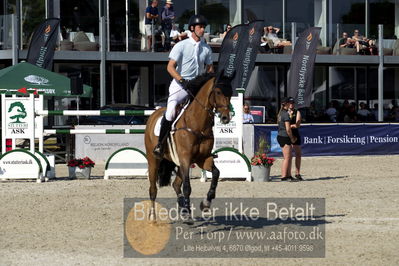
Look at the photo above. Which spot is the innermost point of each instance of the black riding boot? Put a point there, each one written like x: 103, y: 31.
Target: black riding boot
x: 163, y: 135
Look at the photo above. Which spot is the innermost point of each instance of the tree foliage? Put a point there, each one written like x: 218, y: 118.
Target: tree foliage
x: 20, y: 109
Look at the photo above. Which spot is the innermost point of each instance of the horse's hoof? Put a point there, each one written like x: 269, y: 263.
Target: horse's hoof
x: 180, y: 201
x: 205, y: 205
x: 151, y: 217
x: 188, y: 220
x: 185, y: 215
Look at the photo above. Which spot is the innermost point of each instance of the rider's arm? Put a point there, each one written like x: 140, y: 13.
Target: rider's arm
x: 172, y: 70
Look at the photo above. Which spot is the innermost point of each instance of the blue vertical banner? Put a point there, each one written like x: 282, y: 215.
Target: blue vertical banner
x: 332, y: 140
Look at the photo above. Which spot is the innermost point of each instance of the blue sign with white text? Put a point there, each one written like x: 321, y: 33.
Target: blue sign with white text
x: 327, y: 140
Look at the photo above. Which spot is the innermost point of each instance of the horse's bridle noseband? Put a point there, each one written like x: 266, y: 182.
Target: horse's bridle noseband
x: 201, y: 135
x: 210, y: 111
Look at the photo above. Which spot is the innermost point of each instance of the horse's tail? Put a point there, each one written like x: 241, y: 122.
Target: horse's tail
x: 165, y: 172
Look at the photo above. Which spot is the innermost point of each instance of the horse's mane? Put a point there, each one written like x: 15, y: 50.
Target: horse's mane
x: 196, y: 84
x: 222, y: 82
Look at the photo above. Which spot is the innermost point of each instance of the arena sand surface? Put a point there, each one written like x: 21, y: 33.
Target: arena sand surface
x: 80, y: 222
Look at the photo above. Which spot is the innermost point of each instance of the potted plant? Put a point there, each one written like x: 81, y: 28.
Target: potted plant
x: 261, y: 163
x: 80, y: 167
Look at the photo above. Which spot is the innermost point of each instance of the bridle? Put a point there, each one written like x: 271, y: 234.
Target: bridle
x: 210, y: 111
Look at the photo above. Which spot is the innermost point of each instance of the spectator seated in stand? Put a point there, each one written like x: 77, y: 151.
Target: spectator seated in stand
x: 221, y: 35
x: 363, y: 45
x: 363, y: 113
x: 332, y: 113
x: 346, y: 42
x: 351, y: 115
x: 344, y: 46
x: 185, y: 34
x: 247, y: 116
x: 270, y: 40
x: 228, y: 28
x: 395, y: 114
x: 175, y: 34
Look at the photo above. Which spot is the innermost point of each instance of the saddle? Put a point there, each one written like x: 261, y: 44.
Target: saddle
x: 180, y: 108
x: 171, y: 145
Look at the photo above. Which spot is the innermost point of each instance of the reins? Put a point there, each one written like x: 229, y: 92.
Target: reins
x: 201, y: 135
x: 210, y: 111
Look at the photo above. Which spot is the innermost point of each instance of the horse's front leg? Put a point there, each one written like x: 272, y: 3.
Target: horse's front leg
x: 152, y: 176
x: 185, y: 174
x: 209, y: 165
x: 177, y: 187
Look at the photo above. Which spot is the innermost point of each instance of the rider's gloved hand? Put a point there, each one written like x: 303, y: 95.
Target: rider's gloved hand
x: 183, y: 83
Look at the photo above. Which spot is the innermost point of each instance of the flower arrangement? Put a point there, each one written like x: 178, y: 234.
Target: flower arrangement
x: 81, y: 163
x: 260, y: 158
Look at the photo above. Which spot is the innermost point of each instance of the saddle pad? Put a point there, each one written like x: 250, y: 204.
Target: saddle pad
x: 171, y: 145
x: 157, y: 128
x: 172, y: 149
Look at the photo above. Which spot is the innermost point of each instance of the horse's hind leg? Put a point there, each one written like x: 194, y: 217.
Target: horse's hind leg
x: 209, y: 165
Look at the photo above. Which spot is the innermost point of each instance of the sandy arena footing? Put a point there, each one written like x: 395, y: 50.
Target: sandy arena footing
x: 70, y: 222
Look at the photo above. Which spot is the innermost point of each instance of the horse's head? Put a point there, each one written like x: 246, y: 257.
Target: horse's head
x: 221, y: 95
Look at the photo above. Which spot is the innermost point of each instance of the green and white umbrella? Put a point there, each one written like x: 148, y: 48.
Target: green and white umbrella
x: 24, y: 76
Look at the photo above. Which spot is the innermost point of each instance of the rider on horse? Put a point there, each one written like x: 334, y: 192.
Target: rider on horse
x: 188, y: 59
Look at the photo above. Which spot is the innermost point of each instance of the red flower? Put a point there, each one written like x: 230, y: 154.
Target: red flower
x: 81, y: 163
x: 262, y: 159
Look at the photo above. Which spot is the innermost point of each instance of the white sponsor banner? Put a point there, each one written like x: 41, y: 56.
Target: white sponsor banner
x: 20, y: 164
x: 99, y: 147
x: 18, y: 114
x: 231, y: 164
x: 230, y: 135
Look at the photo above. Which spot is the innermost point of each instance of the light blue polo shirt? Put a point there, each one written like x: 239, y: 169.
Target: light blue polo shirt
x: 184, y: 54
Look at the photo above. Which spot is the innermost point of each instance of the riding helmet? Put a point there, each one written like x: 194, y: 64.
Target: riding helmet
x: 197, y: 20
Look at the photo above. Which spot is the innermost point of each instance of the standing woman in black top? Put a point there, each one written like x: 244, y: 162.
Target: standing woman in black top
x: 295, y: 121
x: 285, y: 138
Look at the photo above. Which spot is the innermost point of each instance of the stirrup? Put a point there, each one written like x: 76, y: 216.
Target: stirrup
x: 158, y: 151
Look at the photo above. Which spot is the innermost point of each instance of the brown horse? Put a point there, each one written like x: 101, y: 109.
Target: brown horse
x: 193, y: 138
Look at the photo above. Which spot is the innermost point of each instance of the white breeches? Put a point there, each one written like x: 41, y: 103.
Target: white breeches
x: 176, y: 96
